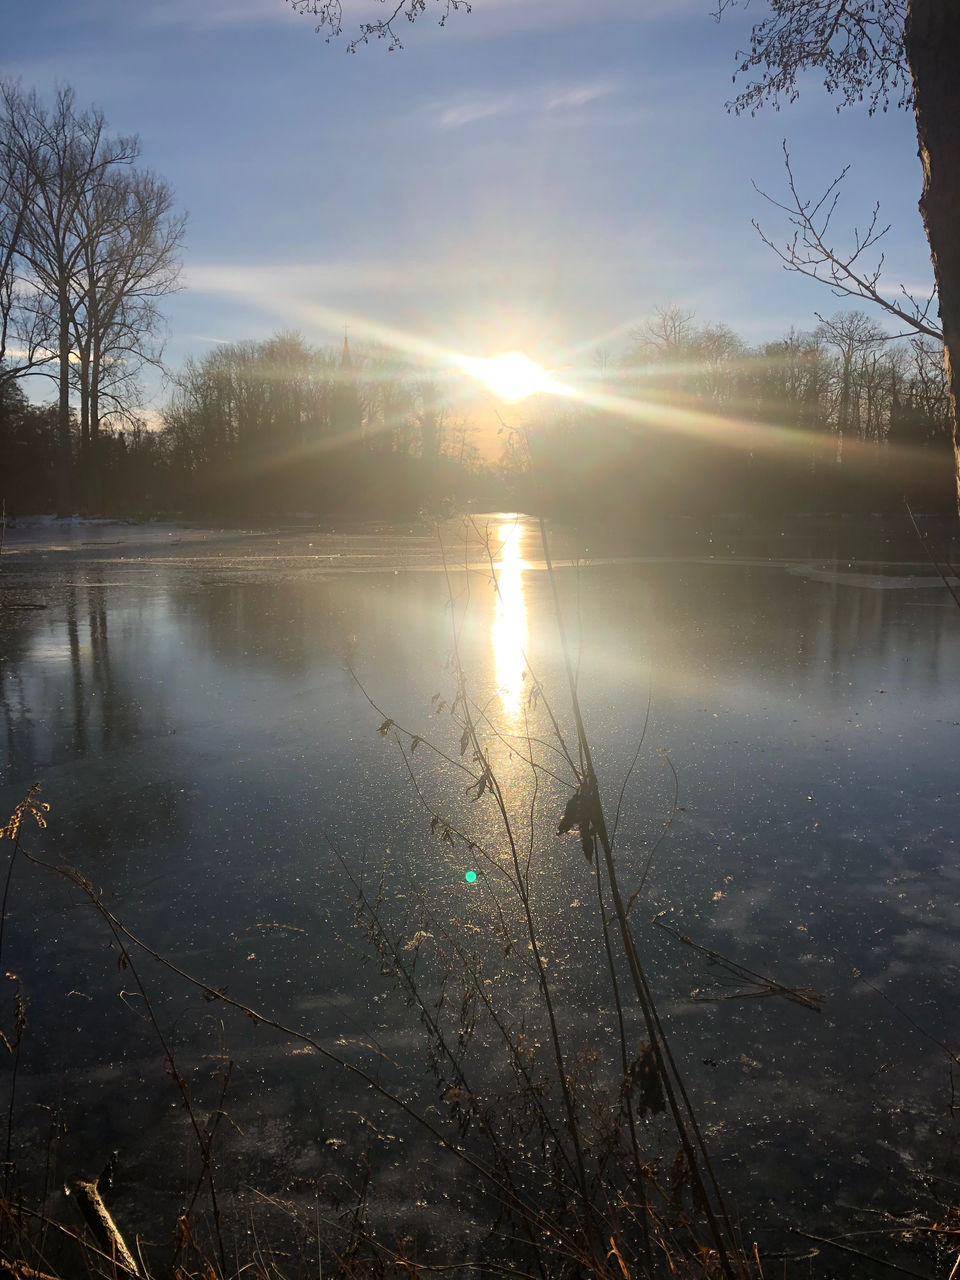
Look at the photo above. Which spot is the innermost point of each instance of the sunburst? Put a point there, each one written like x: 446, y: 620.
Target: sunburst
x: 511, y: 376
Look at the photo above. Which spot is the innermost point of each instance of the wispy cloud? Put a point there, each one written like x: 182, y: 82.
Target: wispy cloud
x: 579, y: 96
x: 467, y: 109
x: 204, y: 337
x: 914, y: 289
x: 470, y: 110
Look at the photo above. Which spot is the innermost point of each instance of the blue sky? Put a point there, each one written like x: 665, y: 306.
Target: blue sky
x: 538, y: 174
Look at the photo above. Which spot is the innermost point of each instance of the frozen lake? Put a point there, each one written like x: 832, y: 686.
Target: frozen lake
x: 184, y: 697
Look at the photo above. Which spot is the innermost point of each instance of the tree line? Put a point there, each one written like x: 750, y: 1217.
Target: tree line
x: 686, y: 418
x: 843, y: 417
x: 280, y: 425
x: 89, y: 244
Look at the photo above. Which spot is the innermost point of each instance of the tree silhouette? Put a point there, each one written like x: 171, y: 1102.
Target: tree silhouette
x: 92, y: 245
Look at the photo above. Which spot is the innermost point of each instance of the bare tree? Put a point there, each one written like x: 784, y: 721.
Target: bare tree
x: 431, y: 418
x: 666, y: 333
x: 25, y: 329
x: 386, y: 396
x: 130, y: 234
x: 927, y: 386
x: 880, y: 52
x: 69, y: 152
x: 89, y: 246
x: 696, y: 360
x: 853, y: 336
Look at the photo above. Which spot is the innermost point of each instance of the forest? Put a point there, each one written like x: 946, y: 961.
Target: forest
x: 686, y: 418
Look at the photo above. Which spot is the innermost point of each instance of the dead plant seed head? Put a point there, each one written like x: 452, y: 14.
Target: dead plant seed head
x: 31, y: 805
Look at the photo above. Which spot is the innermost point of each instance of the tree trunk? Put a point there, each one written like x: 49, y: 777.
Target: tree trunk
x: 83, y: 468
x: 843, y: 410
x: 96, y: 479
x: 63, y: 412
x: 94, y: 337
x: 932, y: 36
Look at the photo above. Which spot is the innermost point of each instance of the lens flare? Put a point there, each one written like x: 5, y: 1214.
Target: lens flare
x: 511, y: 376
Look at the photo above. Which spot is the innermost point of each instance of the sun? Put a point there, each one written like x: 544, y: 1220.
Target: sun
x: 511, y: 376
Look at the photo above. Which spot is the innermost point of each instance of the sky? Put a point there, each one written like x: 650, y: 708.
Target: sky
x: 535, y: 175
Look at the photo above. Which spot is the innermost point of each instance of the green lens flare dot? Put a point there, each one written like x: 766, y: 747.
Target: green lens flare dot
x: 470, y: 877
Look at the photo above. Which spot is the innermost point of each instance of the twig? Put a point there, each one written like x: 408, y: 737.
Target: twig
x: 931, y: 557
x: 663, y: 833
x: 768, y: 986
x: 868, y: 1257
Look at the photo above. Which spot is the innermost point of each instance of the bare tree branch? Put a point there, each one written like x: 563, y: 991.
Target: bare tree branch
x: 26, y: 325
x: 857, y: 45
x: 329, y: 15
x: 856, y: 273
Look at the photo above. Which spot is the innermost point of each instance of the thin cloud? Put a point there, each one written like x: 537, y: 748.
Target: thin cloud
x: 203, y: 337
x: 570, y: 99
x: 472, y: 110
x: 468, y: 109
x: 913, y: 289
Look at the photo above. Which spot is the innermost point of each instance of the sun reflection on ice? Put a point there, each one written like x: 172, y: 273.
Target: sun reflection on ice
x: 510, y: 621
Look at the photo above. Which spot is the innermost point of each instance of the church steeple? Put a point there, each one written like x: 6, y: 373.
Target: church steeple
x: 345, y: 412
